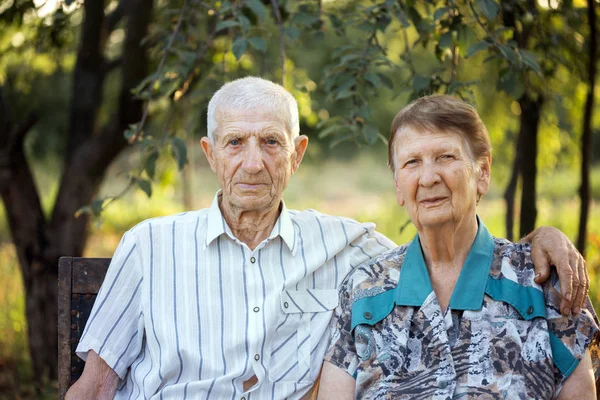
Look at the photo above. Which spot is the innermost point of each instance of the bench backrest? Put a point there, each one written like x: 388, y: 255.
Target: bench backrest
x: 79, y: 280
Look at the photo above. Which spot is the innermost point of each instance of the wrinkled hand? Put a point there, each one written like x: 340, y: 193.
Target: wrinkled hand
x: 549, y: 246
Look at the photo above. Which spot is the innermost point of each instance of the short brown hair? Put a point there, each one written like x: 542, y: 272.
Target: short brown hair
x: 442, y: 113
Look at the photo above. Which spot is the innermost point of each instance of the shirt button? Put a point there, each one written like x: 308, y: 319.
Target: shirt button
x: 256, y: 309
x: 286, y: 305
x: 256, y: 357
x: 530, y: 310
x: 443, y: 384
x: 368, y: 315
x: 252, y: 260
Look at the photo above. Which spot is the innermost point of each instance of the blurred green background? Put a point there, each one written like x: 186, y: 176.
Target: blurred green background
x: 351, y: 65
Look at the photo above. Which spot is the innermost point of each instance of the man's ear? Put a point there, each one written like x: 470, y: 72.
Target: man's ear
x: 483, y: 183
x: 399, y: 193
x: 208, y: 151
x: 300, y: 144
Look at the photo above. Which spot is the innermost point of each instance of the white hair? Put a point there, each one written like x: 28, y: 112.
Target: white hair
x: 250, y: 93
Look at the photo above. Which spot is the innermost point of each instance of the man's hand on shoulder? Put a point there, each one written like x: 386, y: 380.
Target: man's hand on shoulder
x: 98, y: 381
x: 549, y: 246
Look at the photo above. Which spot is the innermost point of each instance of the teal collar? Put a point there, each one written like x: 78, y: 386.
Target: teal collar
x: 414, y: 284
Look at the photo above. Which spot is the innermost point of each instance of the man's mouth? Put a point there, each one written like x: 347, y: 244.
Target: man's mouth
x: 249, y: 185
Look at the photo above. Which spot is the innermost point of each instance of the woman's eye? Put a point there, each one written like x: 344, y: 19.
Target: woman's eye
x: 410, y: 162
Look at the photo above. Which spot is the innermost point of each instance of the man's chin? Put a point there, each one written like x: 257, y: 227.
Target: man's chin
x: 253, y: 201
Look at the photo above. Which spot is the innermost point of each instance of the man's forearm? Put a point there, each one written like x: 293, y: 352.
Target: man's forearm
x: 98, y: 381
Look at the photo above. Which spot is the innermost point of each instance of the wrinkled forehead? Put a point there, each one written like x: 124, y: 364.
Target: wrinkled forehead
x: 407, y: 132
x: 256, y: 118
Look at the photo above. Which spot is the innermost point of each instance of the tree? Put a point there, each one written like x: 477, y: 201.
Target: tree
x: 91, y: 147
x: 586, y: 135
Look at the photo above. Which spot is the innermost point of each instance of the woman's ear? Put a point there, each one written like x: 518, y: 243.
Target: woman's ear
x: 483, y: 183
x: 399, y: 193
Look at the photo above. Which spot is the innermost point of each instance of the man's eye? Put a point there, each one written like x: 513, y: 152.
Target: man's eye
x: 271, y: 142
x: 234, y: 142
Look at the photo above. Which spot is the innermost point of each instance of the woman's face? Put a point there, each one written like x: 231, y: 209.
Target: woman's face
x: 436, y: 178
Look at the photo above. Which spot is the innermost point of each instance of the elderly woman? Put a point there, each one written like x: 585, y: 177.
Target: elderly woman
x: 456, y: 312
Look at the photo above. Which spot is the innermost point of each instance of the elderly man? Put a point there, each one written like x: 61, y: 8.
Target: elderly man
x: 234, y: 301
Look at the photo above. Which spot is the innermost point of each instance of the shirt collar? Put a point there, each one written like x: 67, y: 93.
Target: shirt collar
x: 216, y: 225
x: 414, y: 284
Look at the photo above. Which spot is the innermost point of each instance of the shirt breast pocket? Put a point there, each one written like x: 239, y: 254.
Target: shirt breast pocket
x: 291, y: 346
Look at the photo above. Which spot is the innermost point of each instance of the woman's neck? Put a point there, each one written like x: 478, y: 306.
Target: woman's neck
x: 445, y: 249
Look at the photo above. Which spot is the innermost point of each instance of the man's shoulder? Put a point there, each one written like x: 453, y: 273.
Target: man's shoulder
x: 167, y: 221
x: 377, y: 275
x: 327, y: 222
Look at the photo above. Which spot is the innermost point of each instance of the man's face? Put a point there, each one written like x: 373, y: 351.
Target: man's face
x: 253, y: 157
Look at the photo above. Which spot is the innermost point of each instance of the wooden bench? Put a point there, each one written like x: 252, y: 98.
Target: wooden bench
x: 79, y: 280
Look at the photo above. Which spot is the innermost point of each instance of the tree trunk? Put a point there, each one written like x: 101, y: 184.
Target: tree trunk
x: 511, y: 189
x: 39, y: 243
x: 586, y: 134
x: 530, y: 118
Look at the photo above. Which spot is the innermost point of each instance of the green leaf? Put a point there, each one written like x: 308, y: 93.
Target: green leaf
x: 179, y: 151
x: 240, y: 45
x: 477, y: 47
x: 349, y: 57
x: 446, y: 40
x: 401, y: 15
x: 386, y: 81
x: 258, y: 8
x: 292, y: 32
x: 258, y: 43
x: 304, y: 18
x: 130, y: 132
x: 97, y: 206
x: 371, y: 133
x: 150, y: 164
x: 346, y: 82
x: 373, y: 79
x: 244, y: 22
x: 489, y: 8
x: 145, y: 185
x: 421, y: 82
x: 228, y: 23
x: 440, y: 12
x: 511, y: 82
x: 509, y: 53
x: 344, y: 94
x: 328, y: 131
x: 530, y: 59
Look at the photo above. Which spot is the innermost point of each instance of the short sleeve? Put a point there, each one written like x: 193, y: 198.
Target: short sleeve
x: 570, y: 336
x: 342, y: 350
x: 114, y: 329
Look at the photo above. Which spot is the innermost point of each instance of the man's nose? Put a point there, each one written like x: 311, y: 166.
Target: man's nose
x: 253, y: 159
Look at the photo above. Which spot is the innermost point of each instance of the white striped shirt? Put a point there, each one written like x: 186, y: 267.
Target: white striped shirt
x: 188, y: 311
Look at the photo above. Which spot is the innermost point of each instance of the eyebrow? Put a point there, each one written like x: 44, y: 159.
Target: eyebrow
x: 266, y: 132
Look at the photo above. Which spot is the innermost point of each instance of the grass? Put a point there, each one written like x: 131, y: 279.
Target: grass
x: 361, y: 188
